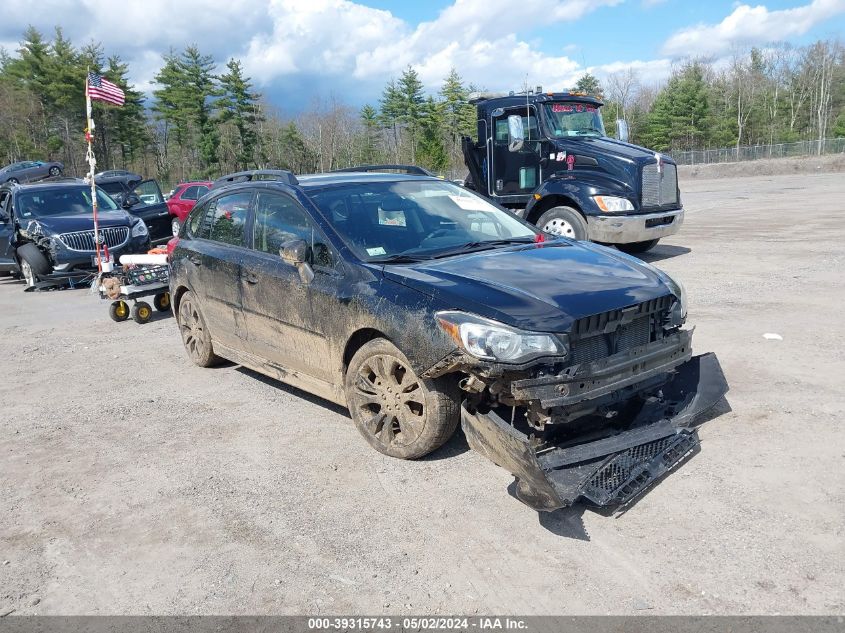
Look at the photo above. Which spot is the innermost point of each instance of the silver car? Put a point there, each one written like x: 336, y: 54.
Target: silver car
x: 29, y: 170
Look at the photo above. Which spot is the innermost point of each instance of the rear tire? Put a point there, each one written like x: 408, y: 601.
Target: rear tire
x: 33, y: 263
x: 175, y: 225
x: 55, y: 171
x: 13, y: 181
x: 564, y: 222
x: 195, y: 335
x: 162, y: 301
x: 637, y: 247
x: 398, y: 413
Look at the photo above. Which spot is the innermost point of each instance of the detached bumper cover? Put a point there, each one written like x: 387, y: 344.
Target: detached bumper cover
x: 625, y: 229
x: 612, y: 470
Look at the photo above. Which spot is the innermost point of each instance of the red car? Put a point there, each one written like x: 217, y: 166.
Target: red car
x: 182, y: 200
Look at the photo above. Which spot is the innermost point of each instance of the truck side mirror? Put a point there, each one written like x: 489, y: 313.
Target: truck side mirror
x: 516, y: 133
x: 622, y: 130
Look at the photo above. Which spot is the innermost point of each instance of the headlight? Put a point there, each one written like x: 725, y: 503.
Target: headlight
x: 679, y: 291
x: 140, y: 229
x: 490, y: 340
x: 611, y: 204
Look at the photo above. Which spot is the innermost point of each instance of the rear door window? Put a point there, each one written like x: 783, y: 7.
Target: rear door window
x: 148, y: 192
x: 224, y: 219
x: 190, y: 193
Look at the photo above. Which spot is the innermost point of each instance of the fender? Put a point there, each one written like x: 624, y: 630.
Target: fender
x: 579, y: 186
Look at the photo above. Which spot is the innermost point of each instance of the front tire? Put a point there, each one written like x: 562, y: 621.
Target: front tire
x: 398, y: 413
x: 195, y: 335
x: 162, y: 301
x: 564, y: 222
x: 33, y: 264
x: 119, y: 311
x: 55, y: 171
x: 635, y: 248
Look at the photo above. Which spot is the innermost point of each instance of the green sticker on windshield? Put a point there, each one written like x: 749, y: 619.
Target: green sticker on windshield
x: 378, y: 250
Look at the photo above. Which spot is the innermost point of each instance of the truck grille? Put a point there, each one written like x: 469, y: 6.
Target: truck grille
x: 84, y: 240
x: 601, y: 335
x: 659, y: 189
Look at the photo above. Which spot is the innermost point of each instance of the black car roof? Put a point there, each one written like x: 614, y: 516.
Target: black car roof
x: 44, y: 185
x: 311, y: 181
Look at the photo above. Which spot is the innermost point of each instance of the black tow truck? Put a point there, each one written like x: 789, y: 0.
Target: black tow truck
x: 547, y: 157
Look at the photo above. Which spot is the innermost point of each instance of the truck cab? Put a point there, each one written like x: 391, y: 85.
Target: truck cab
x: 547, y: 157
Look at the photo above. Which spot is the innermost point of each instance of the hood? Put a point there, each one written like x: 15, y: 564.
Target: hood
x: 79, y: 221
x: 609, y: 146
x: 543, y: 287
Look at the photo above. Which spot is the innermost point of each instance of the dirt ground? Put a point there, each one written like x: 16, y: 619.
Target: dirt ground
x: 135, y: 483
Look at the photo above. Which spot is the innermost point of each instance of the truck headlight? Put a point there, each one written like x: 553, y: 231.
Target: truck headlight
x: 140, y: 229
x: 611, y: 204
x: 490, y: 340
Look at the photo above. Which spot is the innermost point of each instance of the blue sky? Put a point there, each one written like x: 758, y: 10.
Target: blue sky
x: 298, y: 50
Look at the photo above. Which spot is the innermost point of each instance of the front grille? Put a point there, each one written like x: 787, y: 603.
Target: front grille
x: 84, y: 240
x: 629, y: 472
x: 601, y: 335
x: 660, y: 188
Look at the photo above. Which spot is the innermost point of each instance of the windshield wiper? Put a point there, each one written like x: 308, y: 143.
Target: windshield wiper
x: 485, y: 244
x: 399, y: 258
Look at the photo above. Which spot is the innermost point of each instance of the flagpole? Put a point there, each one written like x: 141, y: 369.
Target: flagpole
x: 92, y: 163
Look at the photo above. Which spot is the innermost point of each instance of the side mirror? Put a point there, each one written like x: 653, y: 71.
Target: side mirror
x: 297, y: 253
x: 130, y: 201
x: 622, y: 130
x: 516, y: 133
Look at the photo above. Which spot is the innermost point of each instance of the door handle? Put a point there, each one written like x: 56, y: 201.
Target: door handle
x: 195, y: 260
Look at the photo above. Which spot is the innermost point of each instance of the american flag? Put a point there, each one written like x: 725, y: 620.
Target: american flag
x: 104, y: 90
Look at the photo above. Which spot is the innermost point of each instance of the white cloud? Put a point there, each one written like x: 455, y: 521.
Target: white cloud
x: 750, y: 25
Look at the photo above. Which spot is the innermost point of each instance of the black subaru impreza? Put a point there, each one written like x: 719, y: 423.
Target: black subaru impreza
x: 418, y: 304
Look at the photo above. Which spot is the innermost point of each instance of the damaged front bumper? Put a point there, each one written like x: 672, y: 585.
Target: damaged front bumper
x: 616, y: 468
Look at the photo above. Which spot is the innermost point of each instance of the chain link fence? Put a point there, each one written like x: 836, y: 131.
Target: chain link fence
x: 757, y: 152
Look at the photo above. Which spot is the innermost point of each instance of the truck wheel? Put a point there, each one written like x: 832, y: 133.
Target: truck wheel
x: 119, y: 311
x: 33, y: 264
x: 398, y: 413
x: 195, y: 335
x: 637, y: 247
x: 565, y: 222
x: 141, y: 312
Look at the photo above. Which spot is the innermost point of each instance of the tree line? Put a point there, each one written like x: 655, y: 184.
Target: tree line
x: 200, y: 121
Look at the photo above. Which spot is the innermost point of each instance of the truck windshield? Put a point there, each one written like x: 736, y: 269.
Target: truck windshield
x: 416, y: 219
x: 572, y: 118
x: 46, y: 202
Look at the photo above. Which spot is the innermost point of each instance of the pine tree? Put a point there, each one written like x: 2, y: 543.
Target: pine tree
x: 590, y: 84
x: 391, y: 111
x: 431, y: 152
x: 238, y: 105
x: 128, y: 123
x: 411, y: 98
x: 459, y: 118
x: 369, y: 120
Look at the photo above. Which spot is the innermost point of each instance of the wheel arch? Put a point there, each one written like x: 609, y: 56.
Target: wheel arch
x: 177, y: 297
x: 550, y: 201
x: 357, y: 340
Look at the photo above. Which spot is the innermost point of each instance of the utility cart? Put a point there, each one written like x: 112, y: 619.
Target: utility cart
x: 140, y: 276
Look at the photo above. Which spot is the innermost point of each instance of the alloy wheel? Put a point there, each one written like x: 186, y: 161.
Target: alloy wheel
x: 28, y: 275
x: 174, y: 227
x: 390, y: 400
x: 191, y: 327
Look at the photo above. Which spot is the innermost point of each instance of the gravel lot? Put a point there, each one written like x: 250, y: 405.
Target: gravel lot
x: 135, y: 483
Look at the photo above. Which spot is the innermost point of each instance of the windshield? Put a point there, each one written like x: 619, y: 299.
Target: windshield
x: 47, y: 202
x: 416, y: 219
x: 571, y: 118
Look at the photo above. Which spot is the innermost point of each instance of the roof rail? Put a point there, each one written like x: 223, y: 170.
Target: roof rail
x: 282, y: 175
x: 408, y: 169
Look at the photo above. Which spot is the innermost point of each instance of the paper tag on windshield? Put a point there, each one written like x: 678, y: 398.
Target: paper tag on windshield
x: 378, y: 250
x: 472, y: 204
